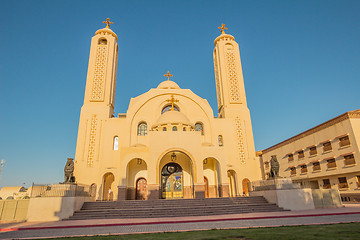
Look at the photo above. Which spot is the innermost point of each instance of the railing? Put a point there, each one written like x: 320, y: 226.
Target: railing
x: 304, y: 170
x: 344, y: 142
x: 316, y: 167
x: 327, y: 148
x: 331, y: 165
x: 343, y: 185
x: 61, y: 190
x: 327, y: 186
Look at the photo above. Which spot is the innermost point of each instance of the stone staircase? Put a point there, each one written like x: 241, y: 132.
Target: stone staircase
x: 173, y: 208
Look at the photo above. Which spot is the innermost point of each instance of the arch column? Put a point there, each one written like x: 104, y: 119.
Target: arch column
x: 153, y: 183
x: 224, y: 188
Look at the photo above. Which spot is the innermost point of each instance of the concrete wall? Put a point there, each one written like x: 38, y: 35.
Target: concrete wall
x: 54, y: 208
x: 14, y: 210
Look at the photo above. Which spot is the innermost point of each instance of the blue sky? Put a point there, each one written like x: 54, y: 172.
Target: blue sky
x: 300, y: 62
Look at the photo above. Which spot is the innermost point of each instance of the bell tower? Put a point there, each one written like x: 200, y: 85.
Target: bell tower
x: 98, y: 101
x: 228, y: 74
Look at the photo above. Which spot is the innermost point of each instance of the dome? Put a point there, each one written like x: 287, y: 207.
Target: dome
x: 172, y: 117
x: 105, y: 31
x: 168, y: 85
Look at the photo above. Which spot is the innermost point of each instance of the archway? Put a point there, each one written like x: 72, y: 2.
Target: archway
x: 245, y: 186
x: 176, y: 176
x: 211, y: 170
x: 232, y: 183
x: 108, y: 194
x: 206, y: 182
x: 141, y: 189
x: 136, y: 169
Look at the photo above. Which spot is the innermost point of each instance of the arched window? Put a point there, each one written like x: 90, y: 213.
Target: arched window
x: 164, y: 129
x: 174, y: 128
x: 116, y: 143
x: 168, y: 108
x: 220, y: 139
x: 142, y: 129
x: 199, y: 127
x: 184, y: 129
x: 102, y: 41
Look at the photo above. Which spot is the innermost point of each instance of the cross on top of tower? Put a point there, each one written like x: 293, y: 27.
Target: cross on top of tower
x: 222, y: 28
x: 107, y: 22
x: 172, y: 100
x: 168, y: 75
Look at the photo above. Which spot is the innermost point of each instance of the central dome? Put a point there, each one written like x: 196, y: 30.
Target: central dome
x: 173, y: 118
x: 168, y: 85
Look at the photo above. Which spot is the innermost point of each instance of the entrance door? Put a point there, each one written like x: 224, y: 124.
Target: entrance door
x: 206, y: 187
x: 141, y: 192
x: 172, y: 181
x: 245, y: 185
x: 107, y: 191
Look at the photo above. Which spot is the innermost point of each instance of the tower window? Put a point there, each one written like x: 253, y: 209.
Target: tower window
x: 174, y: 128
x: 168, y: 108
x: 199, y: 127
x: 164, y: 129
x: 142, y: 129
x: 116, y: 143
x: 220, y: 139
x: 102, y: 41
x: 184, y: 129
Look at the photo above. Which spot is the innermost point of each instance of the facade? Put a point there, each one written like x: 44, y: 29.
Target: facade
x: 326, y: 156
x: 168, y: 144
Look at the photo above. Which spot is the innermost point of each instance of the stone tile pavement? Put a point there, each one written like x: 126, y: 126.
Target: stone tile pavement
x: 349, y: 213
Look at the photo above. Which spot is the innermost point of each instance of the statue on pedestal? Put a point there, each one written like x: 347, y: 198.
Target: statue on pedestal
x: 274, y: 170
x: 69, y: 171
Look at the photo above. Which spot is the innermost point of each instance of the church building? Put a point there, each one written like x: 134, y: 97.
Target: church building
x: 168, y: 144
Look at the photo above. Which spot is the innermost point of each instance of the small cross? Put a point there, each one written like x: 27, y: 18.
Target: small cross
x: 172, y: 100
x: 107, y: 22
x: 222, y: 28
x: 168, y: 75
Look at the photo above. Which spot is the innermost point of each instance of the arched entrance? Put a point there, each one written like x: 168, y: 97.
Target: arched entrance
x: 232, y: 183
x: 108, y: 194
x: 211, y: 170
x: 141, y: 191
x: 172, y: 181
x: 206, y: 182
x: 245, y: 186
x: 176, y: 175
x: 136, y: 169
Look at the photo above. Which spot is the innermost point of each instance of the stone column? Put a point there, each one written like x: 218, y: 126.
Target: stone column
x: 224, y: 190
x: 122, y: 192
x: 153, y: 191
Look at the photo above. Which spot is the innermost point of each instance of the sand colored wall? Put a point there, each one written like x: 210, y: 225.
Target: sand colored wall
x: 14, y: 210
x: 54, y: 208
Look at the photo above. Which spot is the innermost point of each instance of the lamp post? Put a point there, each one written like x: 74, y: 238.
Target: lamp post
x: 1, y: 166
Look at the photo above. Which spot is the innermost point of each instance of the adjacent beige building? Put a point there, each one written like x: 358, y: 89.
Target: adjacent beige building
x: 168, y: 144
x: 326, y: 156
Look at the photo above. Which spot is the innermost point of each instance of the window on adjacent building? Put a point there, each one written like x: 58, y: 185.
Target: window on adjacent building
x: 343, y: 183
x: 313, y: 151
x: 349, y: 159
x: 199, y: 127
x: 303, y: 168
x: 293, y: 170
x: 301, y: 154
x: 327, y: 146
x: 174, y: 128
x: 316, y: 166
x: 327, y: 184
x: 331, y: 163
x: 290, y: 157
x: 116, y: 143
x: 344, y: 141
x: 358, y: 181
x: 220, y: 140
x: 142, y: 129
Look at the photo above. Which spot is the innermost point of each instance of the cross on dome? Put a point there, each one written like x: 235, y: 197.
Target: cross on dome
x: 107, y: 22
x: 168, y: 75
x: 222, y: 28
x: 172, y: 100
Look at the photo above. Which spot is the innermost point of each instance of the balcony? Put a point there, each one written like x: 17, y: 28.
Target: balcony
x: 343, y: 185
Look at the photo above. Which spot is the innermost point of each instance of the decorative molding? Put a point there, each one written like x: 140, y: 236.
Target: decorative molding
x: 240, y: 139
x: 92, y: 141
x: 232, y: 76
x: 217, y: 80
x: 329, y: 123
x: 97, y: 94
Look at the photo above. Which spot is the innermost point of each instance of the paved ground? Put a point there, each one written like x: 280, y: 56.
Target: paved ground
x: 350, y: 213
